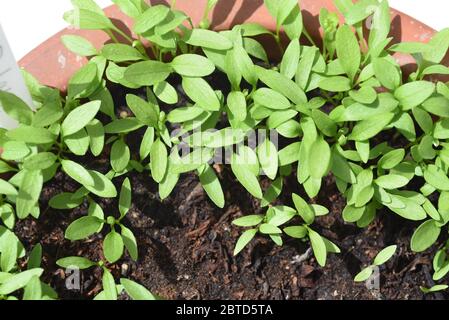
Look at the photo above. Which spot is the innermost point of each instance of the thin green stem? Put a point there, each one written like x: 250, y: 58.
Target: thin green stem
x: 112, y: 36
x: 173, y: 4
x: 277, y: 37
x: 306, y: 33
x: 124, y: 35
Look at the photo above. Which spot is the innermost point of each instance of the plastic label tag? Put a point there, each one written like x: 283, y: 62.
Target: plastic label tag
x: 11, y: 80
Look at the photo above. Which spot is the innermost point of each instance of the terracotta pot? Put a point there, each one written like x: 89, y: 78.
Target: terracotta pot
x: 53, y: 64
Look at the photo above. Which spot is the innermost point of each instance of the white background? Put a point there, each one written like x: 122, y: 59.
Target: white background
x: 27, y: 23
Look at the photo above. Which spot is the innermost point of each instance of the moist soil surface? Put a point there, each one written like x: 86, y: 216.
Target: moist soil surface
x: 186, y: 243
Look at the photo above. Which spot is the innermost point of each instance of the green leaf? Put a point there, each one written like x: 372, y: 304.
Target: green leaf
x: 136, y: 291
x: 436, y: 177
x: 391, y: 159
x: 118, y: 52
x: 330, y: 246
x: 192, y: 65
x: 130, y: 242
x: 272, y: 192
x: 109, y: 287
x: 168, y: 184
x: 267, y: 228
x: 435, y: 288
x: 293, y: 24
x: 78, y: 262
x: 425, y: 148
x: 78, y: 143
x: 248, y: 180
x: 16, y: 108
x: 212, y: 186
x: 280, y: 83
x: 271, y: 99
x: 199, y: 91
x: 65, y: 201
x: 239, y: 63
x: 255, y: 49
x: 425, y: 236
x: 120, y: 156
x: 304, y: 209
x: 335, y: 84
x: 437, y: 105
x: 8, y: 216
x: 147, y: 73
x: 40, y: 161
x: 29, y: 192
x: 31, y: 135
x: 280, y: 215
x: 381, y: 25
x: 83, y: 228
x: 9, y: 253
x: 363, y: 149
x: 359, y: 11
x: 84, y: 82
x: 35, y: 257
x: 123, y: 126
x: 318, y: 246
x: 248, y: 221
x: 113, y: 246
x: 439, y: 45
x: 244, y: 239
x: 95, y: 131
x: 143, y: 110
x: 392, y: 181
x: 150, y: 18
x: 413, y: 94
x: 297, y: 232
x: 102, y: 187
x: 405, y: 207
x: 290, y: 60
x: 384, y: 255
x: 33, y: 290
x: 173, y: 20
x: 77, y: 172
x: 367, y: 129
x: 183, y: 114
x: 268, y: 158
x: 387, y: 73
x: 353, y: 214
x: 105, y: 96
x: 208, y: 39
x: 406, y: 126
x: 319, y: 150
x: 364, y: 275
x: 366, y: 95
x: 410, y: 47
x: 159, y: 160
x: 80, y: 117
x: 305, y: 66
x: 79, y: 45
x: 83, y: 18
x: 348, y: 51
x: 19, y: 280
x: 237, y: 105
x: 132, y: 8
x: 14, y: 150
x: 7, y: 189
x: 125, y: 198
x: 289, y: 154
x: 166, y: 92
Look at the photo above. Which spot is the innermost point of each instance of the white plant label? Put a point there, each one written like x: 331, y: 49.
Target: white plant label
x: 11, y: 80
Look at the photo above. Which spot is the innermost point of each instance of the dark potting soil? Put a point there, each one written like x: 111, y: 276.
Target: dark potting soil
x: 186, y: 242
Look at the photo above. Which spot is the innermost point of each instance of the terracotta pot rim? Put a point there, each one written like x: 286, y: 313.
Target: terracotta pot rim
x: 46, y: 70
